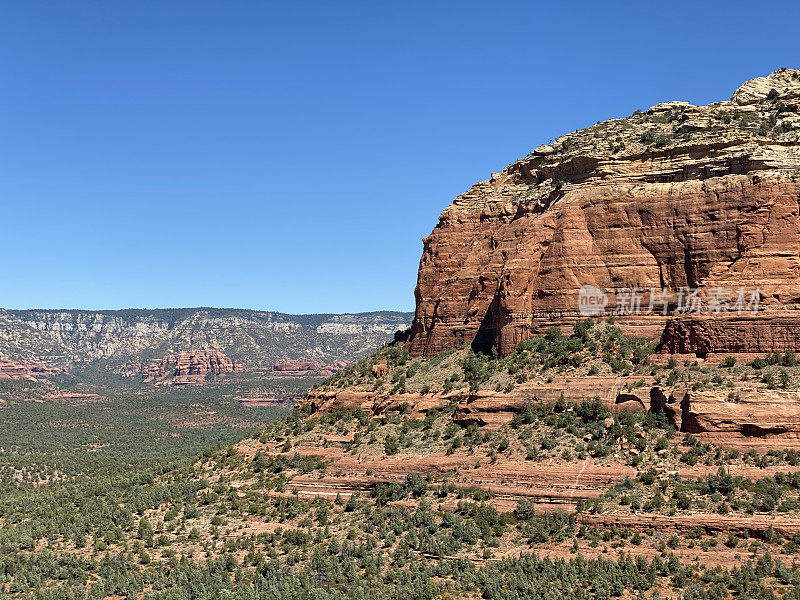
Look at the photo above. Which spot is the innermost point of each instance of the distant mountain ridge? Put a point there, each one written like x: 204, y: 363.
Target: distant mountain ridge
x: 126, y: 340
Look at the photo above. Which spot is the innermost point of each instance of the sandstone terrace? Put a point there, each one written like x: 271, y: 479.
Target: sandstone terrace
x: 750, y: 403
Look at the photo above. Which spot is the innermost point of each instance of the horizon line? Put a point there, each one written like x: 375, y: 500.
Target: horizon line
x: 131, y: 308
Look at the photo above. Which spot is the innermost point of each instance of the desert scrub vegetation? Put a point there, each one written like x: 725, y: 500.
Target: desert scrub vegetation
x: 228, y: 522
x: 775, y: 370
x: 227, y: 525
x: 592, y: 348
x: 559, y: 431
x: 47, y: 440
x: 679, y: 124
x: 656, y: 490
x: 556, y: 432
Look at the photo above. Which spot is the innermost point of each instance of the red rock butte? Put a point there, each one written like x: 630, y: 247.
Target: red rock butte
x: 678, y: 196
x: 23, y: 369
x: 190, y: 367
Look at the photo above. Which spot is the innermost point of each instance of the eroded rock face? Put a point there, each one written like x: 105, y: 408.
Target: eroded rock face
x: 680, y: 196
x: 747, y: 418
x: 767, y: 331
x: 303, y: 368
x: 487, y: 407
x: 190, y: 367
x: 27, y: 370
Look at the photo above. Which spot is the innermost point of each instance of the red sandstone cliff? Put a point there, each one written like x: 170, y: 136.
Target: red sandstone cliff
x: 27, y: 370
x: 679, y: 196
x: 190, y: 367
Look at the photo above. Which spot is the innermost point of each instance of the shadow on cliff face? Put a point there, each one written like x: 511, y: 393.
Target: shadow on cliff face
x: 754, y: 430
x: 685, y: 334
x: 630, y: 401
x: 678, y: 409
x: 486, y: 337
x: 689, y: 421
x: 678, y: 412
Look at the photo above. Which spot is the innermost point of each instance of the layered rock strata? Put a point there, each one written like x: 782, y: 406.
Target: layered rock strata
x: 701, y: 335
x: 124, y: 340
x: 28, y: 370
x: 305, y: 368
x: 679, y: 196
x: 764, y: 418
x: 647, y: 210
x: 488, y: 407
x: 190, y: 367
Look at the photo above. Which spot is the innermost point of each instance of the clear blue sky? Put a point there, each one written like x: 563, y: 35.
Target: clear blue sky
x: 291, y: 156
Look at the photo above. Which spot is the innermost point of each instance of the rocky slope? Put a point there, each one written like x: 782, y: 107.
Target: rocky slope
x: 126, y: 341
x: 677, y: 196
x: 343, y: 506
x: 675, y: 199
x: 523, y: 461
x: 746, y: 403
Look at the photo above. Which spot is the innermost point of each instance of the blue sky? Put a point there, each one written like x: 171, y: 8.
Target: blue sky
x: 291, y: 156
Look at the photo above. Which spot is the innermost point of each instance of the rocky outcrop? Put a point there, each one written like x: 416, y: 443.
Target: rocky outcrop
x: 305, y: 368
x: 156, y: 371
x: 259, y: 401
x: 745, y: 418
x: 28, y: 370
x: 194, y: 366
x: 680, y: 199
x: 680, y: 196
x: 190, y: 367
x: 487, y: 407
x: 763, y: 418
x: 767, y: 331
x: 76, y: 398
